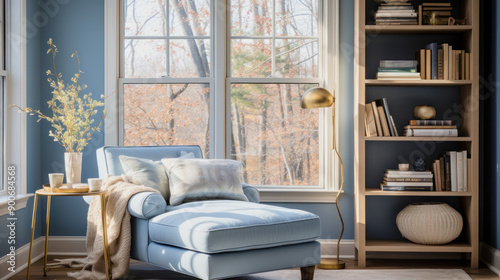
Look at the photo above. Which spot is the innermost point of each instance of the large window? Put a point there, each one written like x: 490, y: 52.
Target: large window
x: 236, y: 94
x: 2, y: 95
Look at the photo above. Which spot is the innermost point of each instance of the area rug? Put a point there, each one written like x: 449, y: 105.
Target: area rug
x: 142, y: 271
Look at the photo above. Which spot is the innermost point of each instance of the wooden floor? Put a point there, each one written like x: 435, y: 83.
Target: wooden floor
x: 480, y: 273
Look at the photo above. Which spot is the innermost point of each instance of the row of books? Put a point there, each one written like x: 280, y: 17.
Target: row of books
x: 442, y: 62
x: 378, y: 119
x: 400, y: 13
x: 434, y: 13
x: 398, y: 180
x: 431, y: 128
x: 398, y: 70
x: 452, y: 172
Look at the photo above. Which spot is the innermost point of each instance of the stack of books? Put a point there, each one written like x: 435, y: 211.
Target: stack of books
x: 430, y: 128
x: 397, y: 180
x: 452, y: 172
x: 434, y: 13
x: 400, y: 13
x: 398, y: 70
x: 378, y: 119
x: 442, y: 62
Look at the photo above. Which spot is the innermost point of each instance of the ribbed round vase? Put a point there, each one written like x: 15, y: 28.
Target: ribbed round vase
x: 431, y: 223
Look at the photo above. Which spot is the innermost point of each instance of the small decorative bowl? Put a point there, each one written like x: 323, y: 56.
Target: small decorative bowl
x: 424, y: 112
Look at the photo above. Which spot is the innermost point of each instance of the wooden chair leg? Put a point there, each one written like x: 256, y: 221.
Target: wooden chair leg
x: 307, y: 272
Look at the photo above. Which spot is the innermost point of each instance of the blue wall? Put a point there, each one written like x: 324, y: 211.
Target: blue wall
x: 77, y: 26
x: 491, y: 128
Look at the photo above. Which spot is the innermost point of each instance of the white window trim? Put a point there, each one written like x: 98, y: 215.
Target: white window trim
x: 268, y: 194
x: 15, y: 123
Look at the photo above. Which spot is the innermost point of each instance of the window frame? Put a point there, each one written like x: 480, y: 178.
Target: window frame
x: 220, y: 84
x: 15, y: 93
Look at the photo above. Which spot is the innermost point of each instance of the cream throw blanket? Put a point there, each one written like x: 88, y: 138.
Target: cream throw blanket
x: 120, y: 189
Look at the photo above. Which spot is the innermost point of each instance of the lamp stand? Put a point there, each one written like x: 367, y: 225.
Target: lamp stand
x: 336, y: 263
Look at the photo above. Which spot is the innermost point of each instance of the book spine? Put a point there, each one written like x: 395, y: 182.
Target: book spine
x: 394, y: 126
x: 421, y: 61
x: 432, y: 132
x: 447, y: 171
x: 419, y: 14
x: 434, y: 60
x: 465, y: 171
x: 453, y: 170
x: 438, y: 187
x: 450, y: 63
x: 409, y: 184
x: 462, y: 65
x: 397, y: 70
x: 370, y: 127
x: 434, y: 168
x: 405, y: 188
x: 383, y: 102
x: 398, y: 64
x: 428, y: 64
x: 430, y: 127
x: 390, y: 179
x: 467, y: 66
x: 460, y: 167
x: 430, y: 122
x: 440, y: 65
x: 376, y: 116
x: 469, y: 175
x: 383, y: 121
x: 442, y: 173
x: 386, y: 14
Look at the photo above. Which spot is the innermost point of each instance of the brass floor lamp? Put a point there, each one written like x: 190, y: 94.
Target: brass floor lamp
x: 322, y: 98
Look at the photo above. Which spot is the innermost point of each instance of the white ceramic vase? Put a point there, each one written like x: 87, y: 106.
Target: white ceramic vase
x: 431, y: 223
x: 73, y: 165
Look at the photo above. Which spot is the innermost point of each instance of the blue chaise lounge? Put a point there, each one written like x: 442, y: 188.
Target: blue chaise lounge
x: 214, y: 239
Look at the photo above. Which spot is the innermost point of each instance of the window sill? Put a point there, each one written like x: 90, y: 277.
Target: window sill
x: 297, y: 195
x: 20, y: 202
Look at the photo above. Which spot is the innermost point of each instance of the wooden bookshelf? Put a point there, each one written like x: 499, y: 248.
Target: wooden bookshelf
x: 417, y: 29
x: 375, y: 154
x: 418, y: 138
x: 378, y: 192
x: 422, y: 83
x: 406, y: 246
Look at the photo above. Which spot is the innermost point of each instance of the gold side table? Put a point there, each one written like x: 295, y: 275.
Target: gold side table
x: 102, y: 195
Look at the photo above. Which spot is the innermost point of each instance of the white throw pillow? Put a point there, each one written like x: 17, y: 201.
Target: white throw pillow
x: 147, y: 173
x: 203, y: 179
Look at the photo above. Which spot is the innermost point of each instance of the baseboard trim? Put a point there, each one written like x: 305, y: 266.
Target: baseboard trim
x: 490, y: 257
x: 22, y: 258
x: 347, y: 249
x: 67, y: 245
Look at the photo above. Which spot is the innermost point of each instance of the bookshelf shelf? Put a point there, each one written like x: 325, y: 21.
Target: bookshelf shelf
x: 378, y: 192
x: 418, y: 138
x: 423, y: 83
x: 417, y: 29
x: 374, y: 155
x: 406, y: 246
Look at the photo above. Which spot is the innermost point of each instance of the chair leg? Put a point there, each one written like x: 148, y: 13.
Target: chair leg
x: 307, y: 272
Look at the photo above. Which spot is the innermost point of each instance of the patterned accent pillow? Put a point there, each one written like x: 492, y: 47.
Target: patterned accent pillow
x: 203, y: 179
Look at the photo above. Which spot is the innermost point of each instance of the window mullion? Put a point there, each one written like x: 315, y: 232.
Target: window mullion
x: 167, y: 34
x: 273, y: 47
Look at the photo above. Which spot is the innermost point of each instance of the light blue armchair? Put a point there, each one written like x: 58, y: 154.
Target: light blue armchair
x: 218, y: 238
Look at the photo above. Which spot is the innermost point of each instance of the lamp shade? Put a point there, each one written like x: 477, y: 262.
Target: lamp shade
x: 316, y: 98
